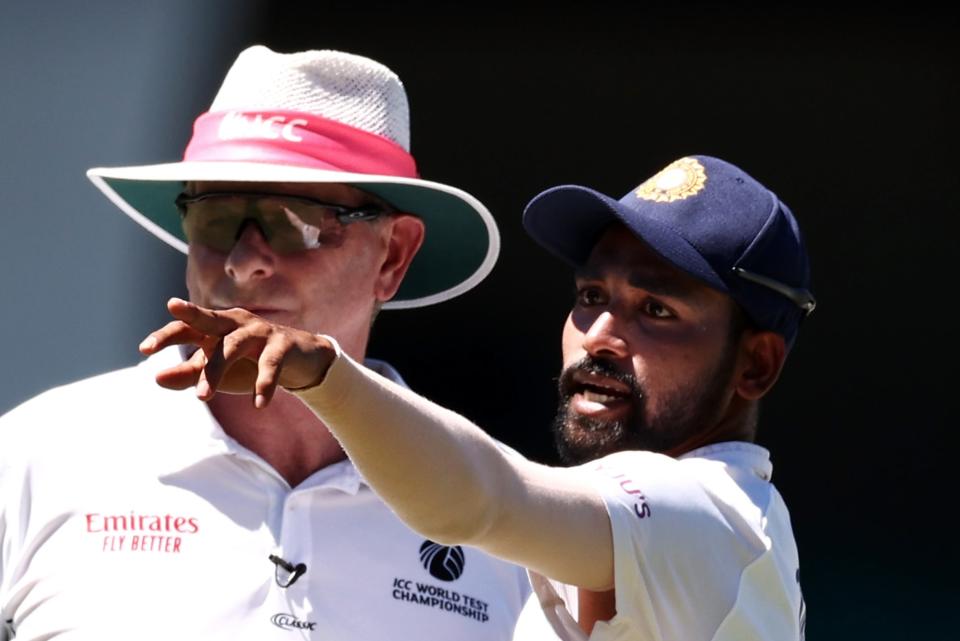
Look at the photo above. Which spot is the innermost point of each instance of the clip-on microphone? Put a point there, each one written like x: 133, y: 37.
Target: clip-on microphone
x: 295, y: 571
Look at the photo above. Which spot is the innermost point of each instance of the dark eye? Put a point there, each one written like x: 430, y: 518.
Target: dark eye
x: 588, y: 296
x: 656, y: 309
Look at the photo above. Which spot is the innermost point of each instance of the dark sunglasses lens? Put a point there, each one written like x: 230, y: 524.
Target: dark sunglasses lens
x: 217, y: 232
x: 289, y: 225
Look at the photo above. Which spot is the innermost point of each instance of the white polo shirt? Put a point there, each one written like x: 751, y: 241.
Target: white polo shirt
x: 127, y: 513
x: 703, y: 551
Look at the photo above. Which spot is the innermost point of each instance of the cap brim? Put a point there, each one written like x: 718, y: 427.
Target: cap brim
x: 568, y: 221
x: 460, y: 247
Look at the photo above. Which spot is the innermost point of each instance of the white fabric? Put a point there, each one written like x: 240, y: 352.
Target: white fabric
x: 345, y: 87
x: 698, y: 548
x: 532, y: 514
x: 711, y: 557
x: 127, y: 513
x: 551, y: 615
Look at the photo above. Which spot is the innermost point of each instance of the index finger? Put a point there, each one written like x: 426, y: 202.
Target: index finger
x: 211, y: 322
x: 173, y: 333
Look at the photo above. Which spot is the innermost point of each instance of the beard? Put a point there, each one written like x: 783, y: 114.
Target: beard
x: 684, y: 412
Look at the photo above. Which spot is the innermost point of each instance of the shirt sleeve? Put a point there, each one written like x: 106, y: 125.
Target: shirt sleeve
x: 679, y: 547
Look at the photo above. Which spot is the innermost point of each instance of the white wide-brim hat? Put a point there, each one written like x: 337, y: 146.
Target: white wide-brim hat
x: 318, y: 117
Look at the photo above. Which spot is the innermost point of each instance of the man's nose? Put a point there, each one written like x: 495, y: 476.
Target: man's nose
x: 251, y: 257
x: 604, y: 337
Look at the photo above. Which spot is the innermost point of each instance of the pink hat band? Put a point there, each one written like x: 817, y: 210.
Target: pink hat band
x: 295, y: 138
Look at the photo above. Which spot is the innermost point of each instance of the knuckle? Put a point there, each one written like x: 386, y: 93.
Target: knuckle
x: 272, y: 359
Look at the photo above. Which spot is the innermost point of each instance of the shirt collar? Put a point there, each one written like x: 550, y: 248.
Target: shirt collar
x: 737, y: 453
x: 201, y: 437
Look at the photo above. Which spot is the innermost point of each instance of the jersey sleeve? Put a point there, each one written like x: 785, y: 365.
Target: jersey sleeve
x: 679, y: 548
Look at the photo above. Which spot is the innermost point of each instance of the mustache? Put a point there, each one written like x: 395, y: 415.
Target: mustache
x: 600, y: 367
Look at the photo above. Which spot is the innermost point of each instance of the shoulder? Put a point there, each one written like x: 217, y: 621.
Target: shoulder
x: 75, y: 412
x: 63, y: 399
x: 693, y: 528
x: 723, y: 468
x: 723, y: 487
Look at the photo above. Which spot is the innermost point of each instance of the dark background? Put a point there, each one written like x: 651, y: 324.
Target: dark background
x: 848, y: 114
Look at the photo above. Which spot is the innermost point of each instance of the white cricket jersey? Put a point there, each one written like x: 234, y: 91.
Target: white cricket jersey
x: 703, y: 551
x: 127, y: 513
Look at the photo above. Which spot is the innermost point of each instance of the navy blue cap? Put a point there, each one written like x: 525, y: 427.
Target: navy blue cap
x: 706, y: 217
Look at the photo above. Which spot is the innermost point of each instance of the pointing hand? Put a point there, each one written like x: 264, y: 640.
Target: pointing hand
x: 239, y: 353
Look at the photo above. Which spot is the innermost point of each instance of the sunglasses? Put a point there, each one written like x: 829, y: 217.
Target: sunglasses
x: 800, y: 297
x: 288, y: 223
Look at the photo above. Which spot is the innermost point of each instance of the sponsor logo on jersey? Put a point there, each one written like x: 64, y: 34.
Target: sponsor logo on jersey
x: 629, y: 487
x: 442, y: 561
x: 290, y: 622
x: 135, y: 532
x: 445, y: 563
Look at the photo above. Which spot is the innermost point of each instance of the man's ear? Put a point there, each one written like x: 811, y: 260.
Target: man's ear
x: 406, y: 236
x: 762, y: 354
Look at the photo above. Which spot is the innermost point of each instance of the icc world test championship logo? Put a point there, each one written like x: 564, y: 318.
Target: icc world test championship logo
x: 441, y: 561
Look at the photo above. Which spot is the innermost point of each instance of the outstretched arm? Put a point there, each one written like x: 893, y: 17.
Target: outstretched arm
x: 441, y: 474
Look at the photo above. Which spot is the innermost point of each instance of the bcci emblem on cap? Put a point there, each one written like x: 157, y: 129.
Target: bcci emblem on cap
x: 679, y: 180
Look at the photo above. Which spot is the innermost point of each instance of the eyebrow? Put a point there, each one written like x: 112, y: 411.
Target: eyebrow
x: 651, y: 280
